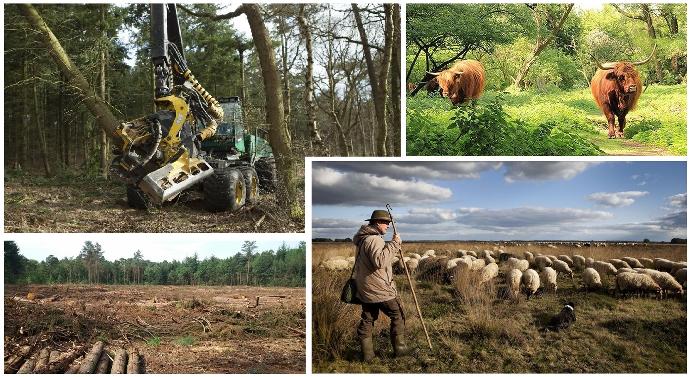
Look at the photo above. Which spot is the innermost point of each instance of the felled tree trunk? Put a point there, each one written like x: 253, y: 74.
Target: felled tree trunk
x: 119, y: 362
x: 134, y: 365
x: 15, y: 361
x: 91, y: 359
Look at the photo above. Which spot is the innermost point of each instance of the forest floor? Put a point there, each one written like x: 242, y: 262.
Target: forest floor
x: 477, y: 329
x: 178, y: 329
x: 657, y: 127
x: 93, y: 205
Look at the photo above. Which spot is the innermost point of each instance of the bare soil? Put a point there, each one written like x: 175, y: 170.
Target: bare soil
x: 177, y: 329
x: 95, y: 205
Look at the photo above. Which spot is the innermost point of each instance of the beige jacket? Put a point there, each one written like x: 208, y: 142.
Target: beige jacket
x: 373, y: 266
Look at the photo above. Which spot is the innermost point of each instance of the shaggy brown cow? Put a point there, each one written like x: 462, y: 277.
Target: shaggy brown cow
x: 616, y: 87
x: 462, y: 82
x: 432, y: 87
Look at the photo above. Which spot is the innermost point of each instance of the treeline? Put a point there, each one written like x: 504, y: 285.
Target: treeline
x: 285, y: 267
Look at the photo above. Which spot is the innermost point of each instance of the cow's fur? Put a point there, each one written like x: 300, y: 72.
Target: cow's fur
x: 463, y: 81
x: 616, y: 92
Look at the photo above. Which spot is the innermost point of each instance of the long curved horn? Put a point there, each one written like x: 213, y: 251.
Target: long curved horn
x: 605, y: 66
x: 433, y: 73
x: 648, y: 58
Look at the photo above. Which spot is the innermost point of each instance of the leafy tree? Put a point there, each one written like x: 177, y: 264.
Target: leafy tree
x: 14, y: 262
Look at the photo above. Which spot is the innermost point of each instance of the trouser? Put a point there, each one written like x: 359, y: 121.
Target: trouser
x: 370, y: 313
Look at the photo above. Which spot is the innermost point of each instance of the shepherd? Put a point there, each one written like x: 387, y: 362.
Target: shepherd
x: 375, y: 286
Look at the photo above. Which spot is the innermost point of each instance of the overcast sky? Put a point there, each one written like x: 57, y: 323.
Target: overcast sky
x: 154, y: 247
x: 503, y: 201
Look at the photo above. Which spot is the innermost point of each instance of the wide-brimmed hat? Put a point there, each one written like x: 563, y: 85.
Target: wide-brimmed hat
x: 380, y: 214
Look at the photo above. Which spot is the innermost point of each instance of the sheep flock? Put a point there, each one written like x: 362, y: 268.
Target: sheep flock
x: 529, y: 273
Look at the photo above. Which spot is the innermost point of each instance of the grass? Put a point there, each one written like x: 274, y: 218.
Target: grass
x: 476, y: 330
x: 153, y: 342
x: 656, y: 127
x: 186, y: 340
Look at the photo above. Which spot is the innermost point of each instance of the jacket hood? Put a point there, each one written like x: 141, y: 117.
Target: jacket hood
x: 365, y: 230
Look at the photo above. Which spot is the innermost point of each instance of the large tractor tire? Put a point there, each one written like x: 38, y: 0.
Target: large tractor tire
x: 224, y: 190
x: 268, y: 174
x: 251, y: 183
x: 136, y: 198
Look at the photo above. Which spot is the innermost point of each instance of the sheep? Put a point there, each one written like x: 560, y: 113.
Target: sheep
x: 632, y: 282
x: 514, y: 263
x: 552, y: 257
x: 548, y: 278
x: 591, y: 279
x: 415, y: 256
x: 529, y: 282
x: 619, y: 263
x: 528, y: 256
x: 646, y: 262
x: 398, y: 267
x: 633, y: 262
x: 433, y: 269
x: 412, y: 264
x: 566, y: 259
x: 477, y: 264
x: 662, y: 264
x: 682, y: 276
x: 488, y: 272
x: 579, y: 262
x: 513, y: 279
x: 589, y: 262
x: 542, y: 261
x: 431, y: 253
x: 625, y: 269
x: 461, y: 253
x: 604, y: 268
x: 562, y: 267
x: 337, y: 264
x: 678, y: 266
x: 452, y: 263
x: 665, y: 280
x: 489, y: 259
x: 472, y: 253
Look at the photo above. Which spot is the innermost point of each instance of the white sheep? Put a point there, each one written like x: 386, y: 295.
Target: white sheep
x: 513, y: 279
x: 415, y: 256
x: 633, y: 262
x: 548, y: 277
x: 514, y: 263
x: 472, y: 253
x: 578, y: 262
x: 489, y: 259
x: 566, y: 259
x: 678, y: 266
x: 412, y: 265
x: 589, y: 262
x: 431, y: 253
x: 452, y: 263
x: 461, y: 253
x: 662, y: 264
x: 488, y: 272
x: 591, y: 279
x: 625, y: 269
x: 542, y: 261
x: 604, y: 268
x: 632, y: 282
x: 646, y: 262
x: 619, y: 263
x: 336, y: 264
x: 552, y: 257
x: 682, y: 276
x: 477, y: 264
x: 665, y: 280
x: 528, y: 256
x: 562, y: 267
x: 529, y: 282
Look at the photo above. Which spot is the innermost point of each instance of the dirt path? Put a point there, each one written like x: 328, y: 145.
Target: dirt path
x: 625, y: 147
x: 97, y: 206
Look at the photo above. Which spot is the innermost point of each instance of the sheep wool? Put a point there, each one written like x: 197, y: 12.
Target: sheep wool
x: 529, y: 282
x: 578, y: 262
x: 633, y: 262
x: 514, y: 263
x: 619, y: 263
x: 528, y: 256
x: 548, y: 277
x: 604, y: 268
x: 665, y: 280
x: 488, y: 272
x: 591, y: 279
x: 632, y: 282
x: 562, y: 267
x: 589, y: 262
x: 513, y: 279
x: 566, y: 259
x: 542, y: 261
x: 682, y: 276
x: 646, y: 262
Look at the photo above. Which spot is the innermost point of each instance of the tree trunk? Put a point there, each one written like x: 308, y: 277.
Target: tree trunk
x: 104, y: 136
x: 134, y: 365
x: 287, y: 99
x: 332, y: 109
x: 396, y: 95
x: 315, y: 138
x: 278, y: 133
x: 651, y: 31
x: 98, y: 108
x: 379, y: 81
x: 40, y: 130
x: 119, y: 362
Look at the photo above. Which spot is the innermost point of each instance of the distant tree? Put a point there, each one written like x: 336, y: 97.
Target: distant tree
x: 91, y: 255
x: 646, y: 240
x: 14, y: 262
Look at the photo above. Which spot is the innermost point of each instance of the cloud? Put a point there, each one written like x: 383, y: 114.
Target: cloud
x: 353, y: 188
x: 678, y: 200
x: 527, y: 217
x: 616, y: 199
x: 408, y: 170
x: 427, y: 216
x: 544, y: 170
x: 641, y: 178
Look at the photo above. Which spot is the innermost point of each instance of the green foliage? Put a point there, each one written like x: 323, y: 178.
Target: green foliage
x: 13, y: 262
x: 486, y: 129
x: 153, y: 342
x: 186, y: 340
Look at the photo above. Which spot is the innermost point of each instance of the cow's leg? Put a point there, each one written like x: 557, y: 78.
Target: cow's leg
x: 621, y: 125
x: 611, y: 119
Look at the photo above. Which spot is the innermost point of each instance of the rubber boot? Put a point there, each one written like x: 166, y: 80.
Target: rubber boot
x: 367, y: 349
x: 399, y: 345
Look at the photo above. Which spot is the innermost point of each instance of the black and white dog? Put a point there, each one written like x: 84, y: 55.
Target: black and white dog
x: 564, y: 319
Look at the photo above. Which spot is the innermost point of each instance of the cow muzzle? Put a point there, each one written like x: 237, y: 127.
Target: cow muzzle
x: 632, y: 89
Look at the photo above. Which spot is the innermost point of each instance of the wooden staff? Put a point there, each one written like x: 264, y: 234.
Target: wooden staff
x: 409, y: 280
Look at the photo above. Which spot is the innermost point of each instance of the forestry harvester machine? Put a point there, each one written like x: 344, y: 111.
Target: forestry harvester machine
x: 192, y: 141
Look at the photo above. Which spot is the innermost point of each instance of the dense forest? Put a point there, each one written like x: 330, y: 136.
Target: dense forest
x: 539, y: 60
x: 283, y: 267
x: 338, y: 71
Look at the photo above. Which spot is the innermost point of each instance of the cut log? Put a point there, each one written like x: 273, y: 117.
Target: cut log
x: 103, y: 364
x: 27, y: 367
x: 15, y: 361
x: 134, y: 365
x: 119, y: 362
x: 61, y: 363
x: 43, y: 359
x: 91, y: 359
x: 74, y: 367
